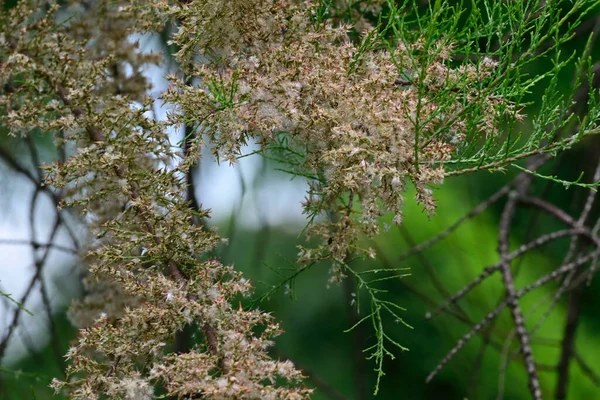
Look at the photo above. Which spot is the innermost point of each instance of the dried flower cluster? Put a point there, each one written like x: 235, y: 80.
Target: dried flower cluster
x: 148, y: 277
x: 361, y: 123
x: 361, y: 120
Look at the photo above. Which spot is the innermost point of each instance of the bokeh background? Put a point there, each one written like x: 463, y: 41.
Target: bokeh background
x: 258, y: 208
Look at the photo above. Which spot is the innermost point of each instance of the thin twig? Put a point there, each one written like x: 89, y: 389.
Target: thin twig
x: 444, y: 234
x: 491, y: 315
x: 36, y: 277
x: 37, y: 245
x: 586, y: 369
x: 493, y: 268
x: 513, y: 304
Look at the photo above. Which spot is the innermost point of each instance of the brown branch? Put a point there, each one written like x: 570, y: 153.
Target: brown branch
x: 56, y: 199
x: 435, y: 279
x: 39, y: 260
x: 491, y: 315
x: 568, y: 343
x: 561, y: 216
x: 586, y: 369
x: 512, y: 300
x: 481, y: 207
x: 444, y: 234
x: 36, y: 245
x: 36, y: 277
x: 493, y: 268
x: 464, y: 340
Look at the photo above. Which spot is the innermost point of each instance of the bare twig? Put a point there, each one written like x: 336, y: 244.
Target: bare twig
x: 511, y: 299
x: 586, y: 369
x: 496, y: 267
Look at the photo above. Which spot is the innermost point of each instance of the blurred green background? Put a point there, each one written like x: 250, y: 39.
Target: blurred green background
x: 315, y: 316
